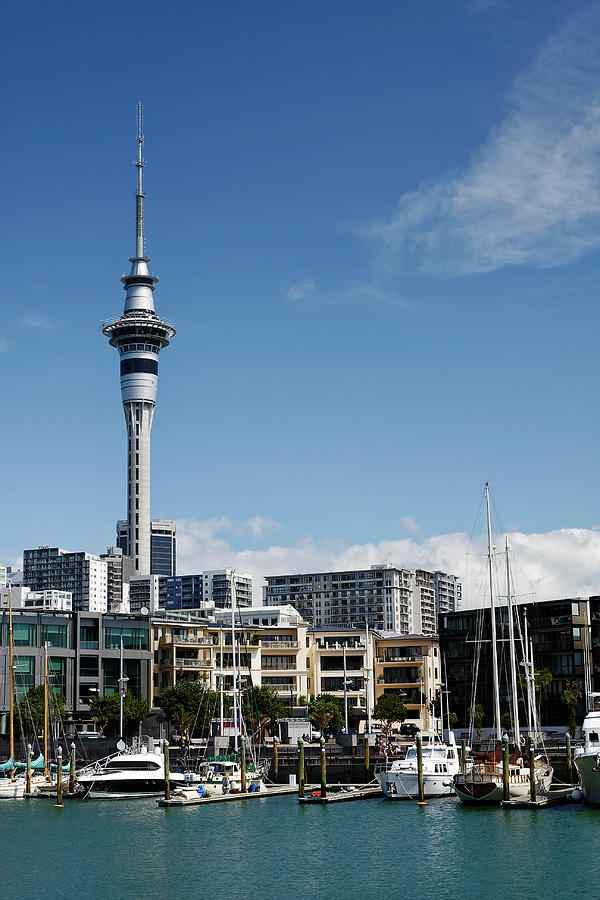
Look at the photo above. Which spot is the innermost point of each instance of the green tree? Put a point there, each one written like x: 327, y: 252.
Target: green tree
x: 106, y: 712
x: 453, y: 719
x: 389, y: 709
x: 29, y: 711
x: 478, y: 718
x: 571, y: 696
x: 326, y: 712
x: 190, y: 705
x: 542, y: 683
x: 262, y: 708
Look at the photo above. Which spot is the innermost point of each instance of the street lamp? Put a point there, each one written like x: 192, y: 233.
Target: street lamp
x: 122, y: 690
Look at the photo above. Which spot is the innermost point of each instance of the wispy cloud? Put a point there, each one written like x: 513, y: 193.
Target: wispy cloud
x: 34, y: 322
x: 3, y: 344
x: 531, y: 194
x: 551, y: 565
x: 409, y: 524
x: 301, y: 290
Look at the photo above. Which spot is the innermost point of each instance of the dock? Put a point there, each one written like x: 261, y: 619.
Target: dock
x: 274, y: 791
x: 342, y: 793
x: 554, y: 798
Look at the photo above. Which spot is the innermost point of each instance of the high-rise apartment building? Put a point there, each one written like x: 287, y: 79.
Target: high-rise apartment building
x: 163, y: 545
x: 139, y: 335
x: 448, y: 593
x: 217, y: 588
x: 83, y: 574
x: 119, y: 573
x: 390, y: 599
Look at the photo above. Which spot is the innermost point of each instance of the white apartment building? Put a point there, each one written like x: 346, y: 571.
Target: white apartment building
x: 216, y: 588
x: 391, y: 599
x: 3, y: 576
x: 22, y: 597
x: 84, y: 575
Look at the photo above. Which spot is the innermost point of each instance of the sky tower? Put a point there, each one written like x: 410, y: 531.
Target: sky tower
x: 139, y: 335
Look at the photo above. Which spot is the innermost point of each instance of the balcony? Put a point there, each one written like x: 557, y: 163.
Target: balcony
x: 193, y: 663
x: 355, y: 645
x: 279, y: 645
x: 200, y: 640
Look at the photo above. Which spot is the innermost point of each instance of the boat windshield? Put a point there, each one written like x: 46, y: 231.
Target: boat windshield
x: 428, y: 753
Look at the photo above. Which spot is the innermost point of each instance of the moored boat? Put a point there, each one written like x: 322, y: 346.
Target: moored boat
x: 138, y: 773
x: 587, y: 759
x: 440, y: 763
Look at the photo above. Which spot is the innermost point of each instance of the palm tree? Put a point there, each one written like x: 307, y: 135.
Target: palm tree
x: 542, y: 683
x: 478, y: 718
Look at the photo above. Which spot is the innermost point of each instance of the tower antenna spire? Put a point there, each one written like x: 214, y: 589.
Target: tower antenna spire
x: 139, y: 197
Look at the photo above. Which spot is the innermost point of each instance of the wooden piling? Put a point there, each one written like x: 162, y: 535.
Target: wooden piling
x: 367, y: 757
x: 72, y: 771
x: 59, y: 776
x: 300, y: 767
x: 28, y: 771
x: 167, y: 773
x: 532, y: 786
x: 569, y: 757
x: 323, y: 769
x: 463, y: 756
x: 243, y: 762
x: 505, y: 769
x: 421, y: 800
x: 276, y: 760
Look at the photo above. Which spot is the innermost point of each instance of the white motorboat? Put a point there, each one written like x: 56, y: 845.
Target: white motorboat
x: 140, y: 773
x: 440, y: 763
x: 587, y: 759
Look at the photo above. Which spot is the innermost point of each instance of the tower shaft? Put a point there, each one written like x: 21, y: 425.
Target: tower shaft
x: 139, y: 335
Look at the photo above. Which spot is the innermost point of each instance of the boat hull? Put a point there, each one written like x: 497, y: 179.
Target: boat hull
x: 405, y: 785
x: 488, y: 789
x: 587, y: 765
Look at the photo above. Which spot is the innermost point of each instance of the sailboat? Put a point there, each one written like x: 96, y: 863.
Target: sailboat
x: 482, y: 783
x: 13, y: 786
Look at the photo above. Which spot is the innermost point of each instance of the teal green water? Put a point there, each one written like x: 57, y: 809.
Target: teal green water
x: 276, y: 848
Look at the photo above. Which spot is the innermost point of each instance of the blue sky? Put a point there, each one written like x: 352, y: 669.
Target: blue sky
x: 377, y: 230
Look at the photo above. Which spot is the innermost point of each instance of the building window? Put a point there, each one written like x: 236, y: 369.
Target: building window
x: 54, y: 635
x: 24, y: 635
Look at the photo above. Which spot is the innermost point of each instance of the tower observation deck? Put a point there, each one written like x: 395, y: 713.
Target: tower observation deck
x: 139, y: 335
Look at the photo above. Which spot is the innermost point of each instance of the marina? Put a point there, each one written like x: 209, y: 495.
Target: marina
x: 260, y: 849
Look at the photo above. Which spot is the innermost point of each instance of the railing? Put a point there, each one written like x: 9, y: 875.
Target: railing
x: 400, y: 659
x: 197, y: 640
x: 290, y: 668
x: 194, y: 663
x: 357, y: 645
x: 279, y: 645
x: 88, y: 645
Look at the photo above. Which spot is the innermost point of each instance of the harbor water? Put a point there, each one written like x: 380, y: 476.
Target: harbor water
x: 275, y: 848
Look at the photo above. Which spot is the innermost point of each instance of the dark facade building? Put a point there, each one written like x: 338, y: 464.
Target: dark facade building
x: 180, y: 592
x: 83, y: 656
x: 561, y: 638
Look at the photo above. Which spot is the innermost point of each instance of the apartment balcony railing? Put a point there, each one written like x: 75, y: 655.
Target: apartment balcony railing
x: 279, y: 645
x: 356, y: 645
x: 193, y: 663
x: 196, y: 640
x: 290, y: 668
x: 400, y: 660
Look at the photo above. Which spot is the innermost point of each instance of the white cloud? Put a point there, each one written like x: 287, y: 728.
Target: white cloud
x: 551, y: 565
x: 409, y: 524
x: 300, y: 291
x: 34, y: 322
x: 257, y: 526
x: 531, y: 194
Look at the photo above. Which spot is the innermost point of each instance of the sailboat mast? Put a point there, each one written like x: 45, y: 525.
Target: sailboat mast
x: 46, y: 708
x: 513, y: 660
x: 221, y: 691
x: 235, y: 718
x: 11, y: 707
x: 493, y: 616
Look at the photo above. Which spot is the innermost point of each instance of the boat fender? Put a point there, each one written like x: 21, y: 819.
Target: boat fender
x: 316, y: 794
x: 576, y: 795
